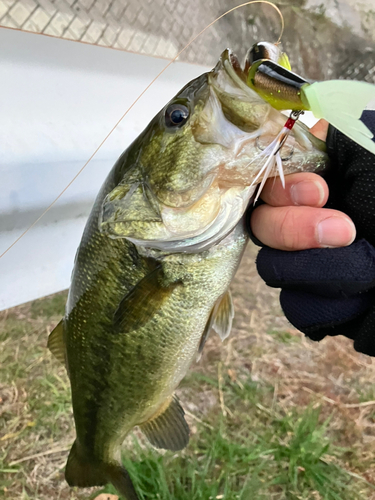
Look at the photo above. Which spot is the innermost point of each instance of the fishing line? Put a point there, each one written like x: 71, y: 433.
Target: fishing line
x: 136, y: 100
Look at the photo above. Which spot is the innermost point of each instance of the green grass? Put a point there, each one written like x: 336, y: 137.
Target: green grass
x: 248, y: 445
x: 49, y: 306
x: 284, y: 336
x: 254, y: 453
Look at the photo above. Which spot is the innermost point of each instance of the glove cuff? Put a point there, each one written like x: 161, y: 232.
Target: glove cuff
x: 249, y: 212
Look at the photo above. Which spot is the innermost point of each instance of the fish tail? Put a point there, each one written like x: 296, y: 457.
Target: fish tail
x: 120, y: 479
x: 84, y: 473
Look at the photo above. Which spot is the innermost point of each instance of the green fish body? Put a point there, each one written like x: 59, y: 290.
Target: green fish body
x: 151, y: 276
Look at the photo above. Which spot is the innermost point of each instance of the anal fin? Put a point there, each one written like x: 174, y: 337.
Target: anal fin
x: 168, y: 429
x: 56, y: 342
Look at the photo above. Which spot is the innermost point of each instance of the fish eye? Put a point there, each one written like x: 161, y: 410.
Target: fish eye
x: 176, y: 115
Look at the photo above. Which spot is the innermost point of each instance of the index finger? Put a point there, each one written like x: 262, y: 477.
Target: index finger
x: 306, y: 189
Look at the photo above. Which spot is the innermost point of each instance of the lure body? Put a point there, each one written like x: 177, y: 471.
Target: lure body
x: 282, y: 88
x: 332, y: 100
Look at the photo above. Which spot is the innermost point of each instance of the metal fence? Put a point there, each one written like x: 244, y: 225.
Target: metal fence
x: 154, y: 27
x: 322, y: 42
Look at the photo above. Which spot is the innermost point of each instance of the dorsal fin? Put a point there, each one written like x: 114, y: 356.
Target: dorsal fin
x: 56, y: 342
x: 168, y: 428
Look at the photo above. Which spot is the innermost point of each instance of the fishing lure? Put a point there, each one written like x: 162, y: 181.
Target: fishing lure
x: 269, y: 74
x: 271, y: 77
x: 263, y: 53
x: 272, y: 152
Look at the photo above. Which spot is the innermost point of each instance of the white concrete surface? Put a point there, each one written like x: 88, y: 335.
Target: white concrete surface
x: 58, y: 100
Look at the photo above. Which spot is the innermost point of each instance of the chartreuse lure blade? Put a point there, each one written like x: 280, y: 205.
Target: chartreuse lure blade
x: 341, y: 103
x: 284, y: 61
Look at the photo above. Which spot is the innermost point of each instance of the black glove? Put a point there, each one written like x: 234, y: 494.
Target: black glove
x: 332, y: 291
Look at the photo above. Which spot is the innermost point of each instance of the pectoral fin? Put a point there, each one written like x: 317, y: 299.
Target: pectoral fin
x: 56, y: 342
x: 143, y: 302
x: 220, y: 320
x: 224, y: 316
x: 206, y: 333
x: 168, y: 429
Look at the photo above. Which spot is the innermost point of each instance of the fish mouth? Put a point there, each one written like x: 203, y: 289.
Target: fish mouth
x: 239, y: 125
x: 235, y: 82
x: 237, y: 74
x: 241, y: 105
x: 232, y: 66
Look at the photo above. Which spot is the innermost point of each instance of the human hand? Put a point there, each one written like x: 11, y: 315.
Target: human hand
x: 326, y: 291
x: 293, y: 218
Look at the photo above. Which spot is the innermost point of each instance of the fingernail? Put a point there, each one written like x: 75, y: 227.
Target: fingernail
x: 308, y: 193
x: 335, y: 232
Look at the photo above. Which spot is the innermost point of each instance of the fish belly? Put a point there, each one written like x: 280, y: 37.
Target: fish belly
x: 126, y: 377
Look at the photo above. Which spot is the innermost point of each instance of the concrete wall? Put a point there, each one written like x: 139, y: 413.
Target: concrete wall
x: 58, y: 101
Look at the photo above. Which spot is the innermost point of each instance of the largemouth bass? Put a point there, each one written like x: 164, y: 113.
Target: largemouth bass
x: 159, y: 251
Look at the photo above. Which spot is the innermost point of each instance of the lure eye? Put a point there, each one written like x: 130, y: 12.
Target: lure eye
x: 176, y: 115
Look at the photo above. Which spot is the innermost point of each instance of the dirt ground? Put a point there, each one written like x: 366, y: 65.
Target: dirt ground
x: 36, y: 427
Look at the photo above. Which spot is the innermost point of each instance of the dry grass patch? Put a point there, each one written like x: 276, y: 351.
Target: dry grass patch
x: 273, y: 415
